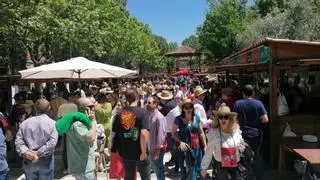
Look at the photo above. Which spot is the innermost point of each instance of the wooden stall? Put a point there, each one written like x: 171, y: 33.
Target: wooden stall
x: 276, y: 56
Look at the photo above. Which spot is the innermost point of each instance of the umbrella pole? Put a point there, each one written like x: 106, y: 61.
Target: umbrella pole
x: 79, y: 72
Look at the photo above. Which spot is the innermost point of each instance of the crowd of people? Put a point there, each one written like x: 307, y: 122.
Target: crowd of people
x: 202, y: 124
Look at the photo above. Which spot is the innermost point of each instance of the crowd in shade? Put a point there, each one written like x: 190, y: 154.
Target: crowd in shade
x: 130, y: 126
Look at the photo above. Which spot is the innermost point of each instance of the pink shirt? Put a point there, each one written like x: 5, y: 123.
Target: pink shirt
x: 157, y: 130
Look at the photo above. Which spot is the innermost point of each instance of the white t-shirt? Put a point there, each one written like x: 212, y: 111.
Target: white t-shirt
x: 199, y: 110
x: 171, y: 116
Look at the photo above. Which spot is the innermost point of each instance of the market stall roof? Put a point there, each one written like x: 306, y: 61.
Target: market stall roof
x: 182, y: 51
x: 258, y: 55
x: 75, y: 68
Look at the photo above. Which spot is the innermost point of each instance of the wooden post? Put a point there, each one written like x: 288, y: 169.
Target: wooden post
x: 227, y: 79
x: 273, y: 82
x: 241, y: 80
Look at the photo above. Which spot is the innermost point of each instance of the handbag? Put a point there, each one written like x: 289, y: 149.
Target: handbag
x: 283, y: 108
x: 164, y: 147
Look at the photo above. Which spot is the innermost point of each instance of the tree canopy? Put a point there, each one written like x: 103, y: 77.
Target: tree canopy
x: 54, y: 30
x: 224, y: 20
x: 193, y: 42
x: 231, y: 25
x: 300, y: 20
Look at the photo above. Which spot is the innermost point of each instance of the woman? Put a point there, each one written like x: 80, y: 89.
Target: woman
x: 225, y: 143
x: 103, y: 116
x: 116, y: 167
x: 188, y: 138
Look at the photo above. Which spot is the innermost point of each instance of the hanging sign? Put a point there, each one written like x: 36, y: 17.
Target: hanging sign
x: 259, y: 55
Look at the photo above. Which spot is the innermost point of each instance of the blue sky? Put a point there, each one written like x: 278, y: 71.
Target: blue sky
x: 173, y: 19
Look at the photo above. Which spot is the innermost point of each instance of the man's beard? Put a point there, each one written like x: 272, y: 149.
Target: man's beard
x: 149, y: 108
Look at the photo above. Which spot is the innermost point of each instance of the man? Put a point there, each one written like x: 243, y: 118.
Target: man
x: 36, y: 141
x: 81, y: 139
x: 69, y: 106
x: 57, y: 102
x: 64, y: 109
x: 251, y: 113
x: 183, y: 91
x: 157, y: 125
x: 170, y: 110
x: 200, y: 95
x: 122, y: 91
x: 150, y: 92
x: 132, y: 131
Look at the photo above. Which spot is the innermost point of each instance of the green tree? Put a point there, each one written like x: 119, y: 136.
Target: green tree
x: 299, y: 21
x: 193, y: 42
x: 266, y: 6
x: 55, y: 30
x: 162, y: 44
x: 224, y: 20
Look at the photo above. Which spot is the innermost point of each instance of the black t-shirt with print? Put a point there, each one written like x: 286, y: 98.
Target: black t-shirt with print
x: 127, y: 126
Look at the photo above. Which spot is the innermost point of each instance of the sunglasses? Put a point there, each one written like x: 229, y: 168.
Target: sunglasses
x: 188, y: 107
x: 90, y: 107
x: 225, y: 117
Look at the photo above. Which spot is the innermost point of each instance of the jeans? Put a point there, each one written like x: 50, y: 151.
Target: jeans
x: 189, y: 169
x: 255, y: 143
x: 4, y: 175
x: 159, y: 167
x: 64, y: 153
x: 43, y: 169
x: 130, y: 167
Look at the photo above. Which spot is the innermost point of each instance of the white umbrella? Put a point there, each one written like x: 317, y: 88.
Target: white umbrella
x: 75, y: 68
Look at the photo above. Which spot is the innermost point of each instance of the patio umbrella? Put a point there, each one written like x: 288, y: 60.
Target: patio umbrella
x: 182, y: 72
x: 75, y: 68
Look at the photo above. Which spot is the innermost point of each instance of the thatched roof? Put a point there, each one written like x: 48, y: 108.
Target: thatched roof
x: 182, y: 51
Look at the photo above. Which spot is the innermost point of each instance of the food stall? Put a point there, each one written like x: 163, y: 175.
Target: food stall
x: 282, y: 59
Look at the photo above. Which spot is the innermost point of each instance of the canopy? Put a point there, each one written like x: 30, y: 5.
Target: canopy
x: 75, y: 68
x: 182, y: 72
x: 182, y: 51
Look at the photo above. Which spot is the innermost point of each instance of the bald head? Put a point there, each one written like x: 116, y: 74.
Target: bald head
x: 42, y: 106
x: 83, y: 103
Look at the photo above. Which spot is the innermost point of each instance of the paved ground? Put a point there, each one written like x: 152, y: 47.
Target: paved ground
x: 15, y: 173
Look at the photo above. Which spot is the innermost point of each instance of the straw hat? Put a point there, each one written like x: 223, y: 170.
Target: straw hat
x: 28, y: 103
x: 165, y: 95
x: 149, y: 83
x: 198, y: 91
x: 185, y: 102
x: 224, y: 110
x: 141, y: 92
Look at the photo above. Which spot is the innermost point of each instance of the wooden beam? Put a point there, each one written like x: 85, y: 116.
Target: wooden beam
x: 273, y: 77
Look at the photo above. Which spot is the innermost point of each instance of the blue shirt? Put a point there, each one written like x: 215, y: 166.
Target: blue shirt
x: 185, y: 129
x: 3, y: 152
x: 249, y: 114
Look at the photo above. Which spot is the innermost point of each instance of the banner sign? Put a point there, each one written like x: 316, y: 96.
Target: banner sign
x: 259, y: 55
